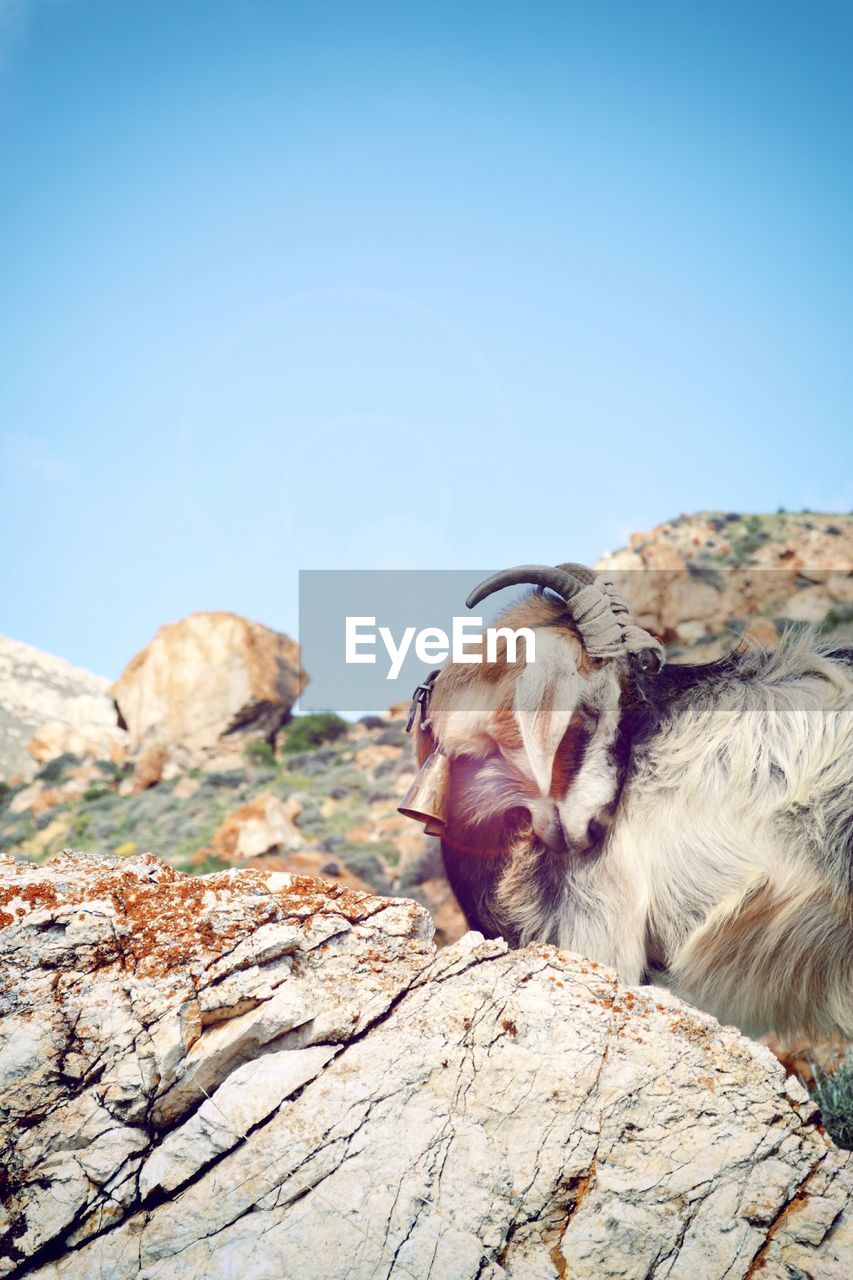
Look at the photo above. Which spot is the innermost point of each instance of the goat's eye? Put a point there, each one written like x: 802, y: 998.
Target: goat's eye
x: 590, y: 717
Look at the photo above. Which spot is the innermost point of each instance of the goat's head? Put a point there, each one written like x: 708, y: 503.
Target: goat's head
x: 514, y: 749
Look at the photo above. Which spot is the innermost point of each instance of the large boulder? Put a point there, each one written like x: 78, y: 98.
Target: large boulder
x: 259, y: 1074
x: 208, y: 676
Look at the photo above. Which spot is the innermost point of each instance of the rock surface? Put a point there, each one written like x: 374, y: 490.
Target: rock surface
x: 207, y: 676
x: 265, y: 825
x: 65, y: 708
x: 257, y: 1074
x: 693, y: 577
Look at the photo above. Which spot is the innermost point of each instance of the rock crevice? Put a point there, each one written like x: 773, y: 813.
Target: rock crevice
x: 267, y: 1073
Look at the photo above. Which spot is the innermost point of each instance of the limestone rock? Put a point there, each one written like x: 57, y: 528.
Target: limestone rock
x: 762, y: 633
x: 447, y: 915
x: 57, y: 739
x: 210, y: 675
x: 54, y: 706
x: 310, y: 862
x: 257, y: 1074
x: 149, y: 767
x: 375, y: 754
x: 265, y: 825
x: 693, y: 577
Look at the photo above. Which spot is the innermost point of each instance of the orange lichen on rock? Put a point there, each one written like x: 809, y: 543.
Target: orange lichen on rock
x: 166, y: 921
x: 16, y: 896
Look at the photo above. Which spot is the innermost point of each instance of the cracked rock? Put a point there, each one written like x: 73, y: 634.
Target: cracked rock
x: 269, y: 1075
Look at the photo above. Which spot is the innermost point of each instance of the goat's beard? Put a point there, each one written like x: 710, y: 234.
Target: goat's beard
x: 508, y: 881
x: 495, y: 809
x: 491, y: 804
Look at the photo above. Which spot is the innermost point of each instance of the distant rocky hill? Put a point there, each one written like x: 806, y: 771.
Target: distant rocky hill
x: 696, y: 579
x: 800, y: 541
x: 37, y: 689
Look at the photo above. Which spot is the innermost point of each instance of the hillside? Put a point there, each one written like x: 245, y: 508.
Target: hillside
x: 36, y: 688
x: 699, y: 580
x: 321, y: 795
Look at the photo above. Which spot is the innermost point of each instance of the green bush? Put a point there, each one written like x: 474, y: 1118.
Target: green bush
x: 841, y: 612
x: 306, y: 732
x: 112, y: 771
x: 55, y: 769
x: 80, y: 826
x: 260, y: 753
x: 96, y: 792
x: 834, y: 1095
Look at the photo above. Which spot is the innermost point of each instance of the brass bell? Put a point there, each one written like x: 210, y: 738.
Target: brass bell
x: 427, y: 798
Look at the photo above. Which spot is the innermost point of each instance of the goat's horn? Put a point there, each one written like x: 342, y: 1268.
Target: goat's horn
x: 599, y: 612
x: 579, y: 571
x: 562, y: 579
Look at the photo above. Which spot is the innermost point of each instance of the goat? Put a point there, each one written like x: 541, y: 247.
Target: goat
x: 685, y: 824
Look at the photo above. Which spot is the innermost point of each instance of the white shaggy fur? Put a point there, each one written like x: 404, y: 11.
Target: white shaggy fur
x: 727, y: 871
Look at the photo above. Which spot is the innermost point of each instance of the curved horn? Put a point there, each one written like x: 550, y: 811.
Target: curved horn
x: 562, y: 579
x: 598, y: 611
x: 580, y: 571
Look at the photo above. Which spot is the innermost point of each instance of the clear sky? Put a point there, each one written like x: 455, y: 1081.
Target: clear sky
x: 291, y: 285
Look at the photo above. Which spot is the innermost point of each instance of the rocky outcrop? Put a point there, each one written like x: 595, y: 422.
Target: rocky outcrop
x: 252, y: 1073
x: 204, y: 678
x: 265, y: 825
x: 692, y: 577
x: 54, y: 707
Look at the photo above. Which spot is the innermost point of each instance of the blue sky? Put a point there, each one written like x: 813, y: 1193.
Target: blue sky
x: 296, y: 286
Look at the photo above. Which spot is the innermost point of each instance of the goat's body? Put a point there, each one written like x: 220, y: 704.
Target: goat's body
x: 729, y: 867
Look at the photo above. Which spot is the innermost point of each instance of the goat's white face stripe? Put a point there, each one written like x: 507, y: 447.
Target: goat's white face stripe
x: 546, y: 695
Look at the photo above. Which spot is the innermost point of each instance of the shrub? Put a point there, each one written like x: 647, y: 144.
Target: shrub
x: 80, y: 826
x: 834, y: 1095
x: 113, y: 772
x: 203, y: 866
x: 232, y: 778
x: 54, y: 770
x: 840, y: 613
x: 306, y: 732
x: 259, y: 753
x: 96, y: 793
x: 703, y: 572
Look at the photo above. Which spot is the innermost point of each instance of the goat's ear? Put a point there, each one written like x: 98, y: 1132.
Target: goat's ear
x: 546, y: 694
